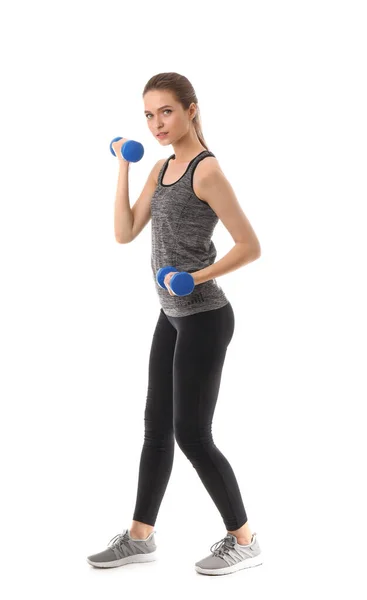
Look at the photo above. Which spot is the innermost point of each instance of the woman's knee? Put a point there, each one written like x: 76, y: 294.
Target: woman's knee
x: 190, y: 438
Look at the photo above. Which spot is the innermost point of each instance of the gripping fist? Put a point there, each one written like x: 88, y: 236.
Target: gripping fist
x: 167, y: 279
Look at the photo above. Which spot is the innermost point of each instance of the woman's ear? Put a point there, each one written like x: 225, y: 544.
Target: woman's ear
x: 192, y: 110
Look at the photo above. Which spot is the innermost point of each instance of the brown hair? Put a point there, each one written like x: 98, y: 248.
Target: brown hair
x: 184, y: 92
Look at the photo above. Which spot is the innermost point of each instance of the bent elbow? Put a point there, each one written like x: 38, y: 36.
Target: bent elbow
x: 123, y: 241
x: 256, y: 252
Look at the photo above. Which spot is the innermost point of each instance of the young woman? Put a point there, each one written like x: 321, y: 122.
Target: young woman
x: 185, y: 196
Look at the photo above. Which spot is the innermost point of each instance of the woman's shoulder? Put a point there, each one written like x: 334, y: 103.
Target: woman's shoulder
x: 161, y: 162
x: 158, y: 168
x: 207, y: 165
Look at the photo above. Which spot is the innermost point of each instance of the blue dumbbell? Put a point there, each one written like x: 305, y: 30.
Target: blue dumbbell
x: 130, y: 150
x: 181, y: 283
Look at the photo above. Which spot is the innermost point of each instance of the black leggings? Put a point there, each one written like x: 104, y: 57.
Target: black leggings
x: 185, y: 367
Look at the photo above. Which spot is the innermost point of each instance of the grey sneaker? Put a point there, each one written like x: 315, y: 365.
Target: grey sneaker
x: 227, y: 556
x: 123, y: 549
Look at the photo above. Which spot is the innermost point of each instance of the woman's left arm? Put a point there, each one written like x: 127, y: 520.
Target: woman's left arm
x: 213, y: 187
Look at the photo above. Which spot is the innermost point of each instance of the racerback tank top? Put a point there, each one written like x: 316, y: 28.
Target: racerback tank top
x: 182, y: 228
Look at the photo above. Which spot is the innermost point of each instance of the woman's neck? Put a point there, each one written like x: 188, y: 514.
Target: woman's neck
x: 187, y: 148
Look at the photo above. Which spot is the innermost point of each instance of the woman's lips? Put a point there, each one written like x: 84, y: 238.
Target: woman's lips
x: 162, y: 135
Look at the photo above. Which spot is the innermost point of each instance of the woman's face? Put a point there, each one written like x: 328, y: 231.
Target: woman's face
x: 164, y: 114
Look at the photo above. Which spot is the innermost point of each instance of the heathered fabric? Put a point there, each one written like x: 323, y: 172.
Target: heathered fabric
x: 182, y: 228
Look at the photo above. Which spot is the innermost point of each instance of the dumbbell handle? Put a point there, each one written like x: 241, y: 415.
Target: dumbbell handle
x: 130, y: 150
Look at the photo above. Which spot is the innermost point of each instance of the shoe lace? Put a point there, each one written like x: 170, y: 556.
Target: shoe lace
x: 222, y: 547
x: 118, y: 540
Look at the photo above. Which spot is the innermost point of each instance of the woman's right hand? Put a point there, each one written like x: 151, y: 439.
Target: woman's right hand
x: 117, y: 148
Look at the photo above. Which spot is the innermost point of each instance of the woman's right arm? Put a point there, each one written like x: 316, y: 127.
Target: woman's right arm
x: 129, y: 222
x: 123, y: 213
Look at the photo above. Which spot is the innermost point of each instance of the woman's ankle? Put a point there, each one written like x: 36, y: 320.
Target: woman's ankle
x: 138, y: 535
x: 139, y: 531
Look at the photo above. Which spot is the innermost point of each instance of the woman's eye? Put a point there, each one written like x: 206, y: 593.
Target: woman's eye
x: 167, y: 110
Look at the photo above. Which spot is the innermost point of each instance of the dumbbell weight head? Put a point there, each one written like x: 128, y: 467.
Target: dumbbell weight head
x: 161, y: 273
x: 131, y: 151
x: 182, y: 283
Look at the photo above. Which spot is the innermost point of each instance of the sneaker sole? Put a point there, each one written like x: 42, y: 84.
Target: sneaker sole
x: 135, y: 558
x: 255, y: 561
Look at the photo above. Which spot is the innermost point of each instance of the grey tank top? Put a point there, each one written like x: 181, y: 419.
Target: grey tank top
x: 182, y: 228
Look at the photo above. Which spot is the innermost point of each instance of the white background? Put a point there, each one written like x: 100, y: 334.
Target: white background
x: 282, y: 92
